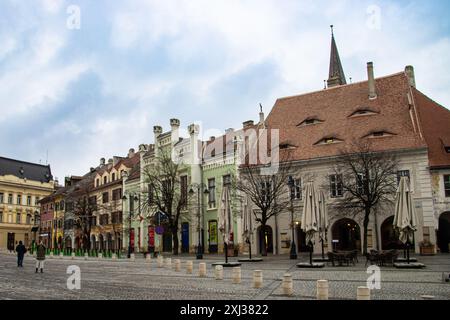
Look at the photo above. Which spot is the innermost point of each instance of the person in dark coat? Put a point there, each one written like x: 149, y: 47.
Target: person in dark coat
x: 40, y: 257
x: 21, y: 250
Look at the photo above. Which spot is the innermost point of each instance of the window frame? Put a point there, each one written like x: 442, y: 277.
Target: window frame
x: 446, y: 185
x: 336, y: 185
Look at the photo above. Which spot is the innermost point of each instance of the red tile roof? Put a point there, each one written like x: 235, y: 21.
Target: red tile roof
x: 435, y: 123
x: 334, y: 108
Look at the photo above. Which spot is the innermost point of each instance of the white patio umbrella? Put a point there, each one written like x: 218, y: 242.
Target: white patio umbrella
x: 310, y: 218
x: 405, y: 218
x: 323, y: 220
x: 225, y: 219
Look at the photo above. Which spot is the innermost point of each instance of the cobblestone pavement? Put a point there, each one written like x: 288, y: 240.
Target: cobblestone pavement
x: 141, y: 279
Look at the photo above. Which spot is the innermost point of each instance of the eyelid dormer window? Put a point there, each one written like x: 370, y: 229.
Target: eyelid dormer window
x: 379, y: 134
x: 363, y: 112
x: 328, y: 140
x: 310, y: 121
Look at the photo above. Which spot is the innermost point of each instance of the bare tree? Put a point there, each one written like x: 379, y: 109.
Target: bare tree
x: 165, y: 192
x: 367, y: 178
x: 84, y: 206
x: 268, y: 193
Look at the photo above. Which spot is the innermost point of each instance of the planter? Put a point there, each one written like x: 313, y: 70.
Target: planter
x: 427, y: 251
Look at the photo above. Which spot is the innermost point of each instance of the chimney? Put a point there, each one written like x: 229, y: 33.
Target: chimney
x: 372, y: 89
x: 229, y: 130
x: 248, y: 123
x: 409, y: 70
x: 175, y: 125
x: 110, y: 161
x: 102, y: 162
x: 131, y: 153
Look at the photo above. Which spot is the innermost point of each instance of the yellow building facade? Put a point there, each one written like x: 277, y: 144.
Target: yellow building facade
x: 22, y: 185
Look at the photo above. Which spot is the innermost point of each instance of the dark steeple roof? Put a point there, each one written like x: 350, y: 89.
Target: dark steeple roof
x: 21, y: 169
x: 336, y: 76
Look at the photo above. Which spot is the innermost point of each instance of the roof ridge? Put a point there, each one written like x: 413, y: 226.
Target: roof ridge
x: 341, y: 86
x: 26, y: 162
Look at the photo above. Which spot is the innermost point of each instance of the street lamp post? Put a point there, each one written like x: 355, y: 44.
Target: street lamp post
x: 293, y: 254
x: 198, y: 186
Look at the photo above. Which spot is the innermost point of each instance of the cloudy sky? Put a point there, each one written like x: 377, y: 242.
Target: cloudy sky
x: 82, y: 89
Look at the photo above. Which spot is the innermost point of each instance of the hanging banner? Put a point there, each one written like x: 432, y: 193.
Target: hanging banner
x: 151, y: 237
x: 213, y: 236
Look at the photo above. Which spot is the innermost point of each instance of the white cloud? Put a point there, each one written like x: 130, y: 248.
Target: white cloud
x: 52, y: 6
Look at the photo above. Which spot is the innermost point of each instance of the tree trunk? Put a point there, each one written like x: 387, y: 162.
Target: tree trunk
x: 366, y: 226
x: 264, y: 242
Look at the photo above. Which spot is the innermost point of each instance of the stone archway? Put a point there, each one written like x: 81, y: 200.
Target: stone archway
x: 443, y: 233
x: 68, y: 243
x: 302, y: 246
x: 101, y: 244
x: 93, y: 242
x: 268, y: 235
x: 390, y: 236
x: 348, y: 234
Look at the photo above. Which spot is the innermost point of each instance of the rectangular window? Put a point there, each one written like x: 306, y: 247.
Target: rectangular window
x: 336, y: 189
x: 150, y: 195
x: 117, y: 194
x: 28, y: 200
x: 184, y: 190
x: 19, y: 199
x: 28, y: 219
x: 36, y: 201
x: 57, y: 206
x: 227, y: 180
x: 265, y: 191
x: 113, y: 177
x: 296, y: 191
x: 18, y: 218
x: 402, y: 173
x: 1, y: 217
x: 105, y: 197
x: 360, y: 182
x: 1, y: 198
x: 10, y: 199
x: 212, y: 192
x: 61, y: 205
x: 447, y: 185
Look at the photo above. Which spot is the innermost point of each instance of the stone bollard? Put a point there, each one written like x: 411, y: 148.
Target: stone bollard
x: 189, y: 267
x: 114, y: 256
x: 257, y: 279
x: 177, y: 265
x: 168, y: 263
x: 363, y: 293
x: 61, y: 255
x: 287, y: 285
x: 51, y: 254
x: 219, y: 272
x: 132, y: 257
x: 86, y: 256
x: 202, y: 269
x: 73, y: 255
x: 160, y: 261
x: 148, y: 257
x: 237, y: 275
x: 322, y: 289
x: 100, y: 255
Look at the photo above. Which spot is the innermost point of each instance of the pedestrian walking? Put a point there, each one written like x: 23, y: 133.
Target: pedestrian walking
x: 40, y: 257
x: 21, y: 250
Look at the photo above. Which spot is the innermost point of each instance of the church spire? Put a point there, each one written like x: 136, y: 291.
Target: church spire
x: 337, y: 76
